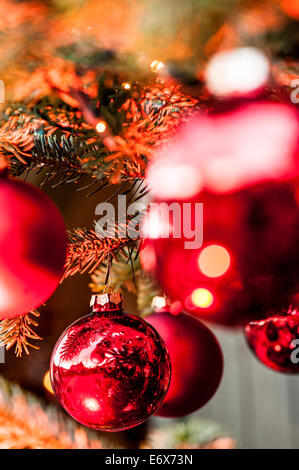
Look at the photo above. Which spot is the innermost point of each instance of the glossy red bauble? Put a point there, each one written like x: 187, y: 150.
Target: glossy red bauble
x: 196, y: 362
x: 110, y: 370
x: 275, y: 341
x: 32, y: 247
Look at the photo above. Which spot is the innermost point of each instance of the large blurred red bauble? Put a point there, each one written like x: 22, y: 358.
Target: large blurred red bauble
x: 242, y: 164
x: 110, y: 370
x: 248, y: 262
x: 33, y: 245
x: 196, y: 362
x: 275, y: 341
x: 240, y: 144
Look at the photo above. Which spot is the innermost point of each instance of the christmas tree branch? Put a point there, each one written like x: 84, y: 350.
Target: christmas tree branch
x: 86, y: 250
x: 193, y: 433
x: 18, y: 331
x: 63, y: 138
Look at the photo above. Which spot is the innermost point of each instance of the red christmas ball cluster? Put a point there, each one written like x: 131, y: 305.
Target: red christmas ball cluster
x: 110, y: 370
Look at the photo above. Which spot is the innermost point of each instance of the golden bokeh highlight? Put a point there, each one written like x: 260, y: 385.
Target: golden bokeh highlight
x: 156, y: 66
x: 202, y: 298
x: 101, y: 127
x: 214, y: 261
x: 47, y: 383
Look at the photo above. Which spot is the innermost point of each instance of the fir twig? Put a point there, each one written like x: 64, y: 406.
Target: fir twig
x: 121, y: 275
x: 17, y: 332
x: 193, y: 433
x: 87, y: 250
x: 53, y: 135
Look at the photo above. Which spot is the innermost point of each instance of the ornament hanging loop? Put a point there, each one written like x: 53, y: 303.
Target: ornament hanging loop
x: 106, y: 302
x: 107, y: 289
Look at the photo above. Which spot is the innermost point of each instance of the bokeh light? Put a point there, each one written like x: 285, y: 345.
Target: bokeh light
x: 156, y: 223
x: 183, y: 180
x: 47, y: 382
x: 158, y: 302
x: 214, y: 261
x: 156, y: 66
x: 202, y: 298
x: 101, y: 127
x: 236, y: 72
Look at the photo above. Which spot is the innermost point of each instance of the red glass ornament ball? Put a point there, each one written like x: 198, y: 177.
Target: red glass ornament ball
x: 196, y: 362
x: 275, y: 341
x: 110, y: 370
x: 33, y: 245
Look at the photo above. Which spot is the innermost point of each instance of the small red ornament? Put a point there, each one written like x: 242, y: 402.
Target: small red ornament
x: 196, y: 362
x: 32, y: 245
x: 110, y: 370
x: 275, y: 341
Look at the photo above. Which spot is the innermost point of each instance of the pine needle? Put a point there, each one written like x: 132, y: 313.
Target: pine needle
x: 17, y: 332
x: 87, y: 250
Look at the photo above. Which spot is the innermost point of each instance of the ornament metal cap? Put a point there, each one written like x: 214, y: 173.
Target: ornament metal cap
x: 111, y: 301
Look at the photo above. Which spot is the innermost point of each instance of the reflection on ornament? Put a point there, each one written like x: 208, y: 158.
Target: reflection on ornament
x: 275, y: 341
x: 237, y: 72
x: 91, y: 404
x: 126, y: 85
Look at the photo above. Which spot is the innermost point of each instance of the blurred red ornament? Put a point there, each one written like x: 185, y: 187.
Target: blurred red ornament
x: 237, y: 72
x: 242, y: 165
x: 33, y: 247
x: 110, y: 370
x: 196, y: 362
x: 275, y: 341
x: 244, y: 144
x: 248, y: 262
x: 291, y: 8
